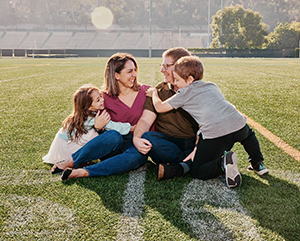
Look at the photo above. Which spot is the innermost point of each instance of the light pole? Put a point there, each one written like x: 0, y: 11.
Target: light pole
x: 208, y: 22
x: 221, y: 33
x: 150, y: 27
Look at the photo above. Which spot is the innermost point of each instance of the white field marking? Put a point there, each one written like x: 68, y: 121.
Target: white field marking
x: 36, y: 217
x: 214, y: 212
x: 289, y: 176
x: 129, y: 227
x: 10, y: 67
x: 26, y: 177
x: 276, y: 140
x: 37, y: 75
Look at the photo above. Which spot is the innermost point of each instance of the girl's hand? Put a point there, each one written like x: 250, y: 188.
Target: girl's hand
x: 101, y: 119
x: 150, y: 92
x: 132, y: 128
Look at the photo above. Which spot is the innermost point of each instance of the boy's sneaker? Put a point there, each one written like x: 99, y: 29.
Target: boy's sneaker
x: 259, y: 168
x: 232, y: 174
x: 169, y: 170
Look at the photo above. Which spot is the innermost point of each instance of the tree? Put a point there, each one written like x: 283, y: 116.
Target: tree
x: 126, y: 12
x: 284, y: 36
x: 241, y: 28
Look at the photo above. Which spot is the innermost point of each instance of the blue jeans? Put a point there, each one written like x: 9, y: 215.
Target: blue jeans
x: 117, y: 153
x: 168, y: 149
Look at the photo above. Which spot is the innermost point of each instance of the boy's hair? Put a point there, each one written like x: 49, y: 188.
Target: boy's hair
x: 115, y: 64
x: 189, y: 66
x: 176, y: 53
x: 82, y: 101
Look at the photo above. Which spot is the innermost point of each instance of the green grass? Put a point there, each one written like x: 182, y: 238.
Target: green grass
x: 35, y: 97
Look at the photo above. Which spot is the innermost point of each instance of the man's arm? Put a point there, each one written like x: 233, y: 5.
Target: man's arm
x: 145, y: 122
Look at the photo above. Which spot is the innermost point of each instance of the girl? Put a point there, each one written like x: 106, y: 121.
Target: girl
x: 78, y: 127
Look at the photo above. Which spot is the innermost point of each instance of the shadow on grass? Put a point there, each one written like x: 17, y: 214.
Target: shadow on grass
x: 109, y: 188
x: 274, y: 203
x: 165, y: 197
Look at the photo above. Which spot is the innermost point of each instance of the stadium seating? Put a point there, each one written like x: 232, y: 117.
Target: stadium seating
x: 80, y: 41
x: 12, y: 39
x: 57, y: 40
x: 116, y: 38
x: 34, y: 40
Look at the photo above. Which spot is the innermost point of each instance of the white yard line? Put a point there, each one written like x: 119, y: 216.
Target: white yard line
x: 215, y: 213
x: 36, y: 217
x: 37, y: 75
x: 129, y: 226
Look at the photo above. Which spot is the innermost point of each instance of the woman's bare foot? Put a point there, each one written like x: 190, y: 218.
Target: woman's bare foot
x: 62, y: 165
x: 74, y: 173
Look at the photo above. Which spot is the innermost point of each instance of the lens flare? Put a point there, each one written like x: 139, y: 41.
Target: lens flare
x: 102, y: 17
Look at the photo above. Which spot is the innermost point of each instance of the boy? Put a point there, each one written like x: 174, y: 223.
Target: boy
x: 221, y: 125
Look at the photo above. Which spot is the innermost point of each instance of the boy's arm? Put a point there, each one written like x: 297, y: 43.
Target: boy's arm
x: 160, y: 106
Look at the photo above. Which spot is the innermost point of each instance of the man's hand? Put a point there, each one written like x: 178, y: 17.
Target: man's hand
x: 142, y: 145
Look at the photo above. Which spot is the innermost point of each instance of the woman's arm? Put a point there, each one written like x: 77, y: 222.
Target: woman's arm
x: 159, y: 105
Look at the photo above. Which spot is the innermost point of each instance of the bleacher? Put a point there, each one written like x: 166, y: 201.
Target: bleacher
x: 80, y: 41
x: 34, y: 40
x: 12, y: 39
x: 126, y: 41
x: 103, y: 41
x: 57, y: 40
x: 52, y: 38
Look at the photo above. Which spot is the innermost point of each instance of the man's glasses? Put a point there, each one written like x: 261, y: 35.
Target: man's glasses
x: 166, y: 66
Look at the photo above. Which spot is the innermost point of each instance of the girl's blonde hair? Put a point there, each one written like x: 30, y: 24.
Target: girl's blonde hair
x: 115, y: 64
x: 82, y: 100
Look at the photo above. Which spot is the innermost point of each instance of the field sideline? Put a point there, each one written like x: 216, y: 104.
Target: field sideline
x: 36, y: 96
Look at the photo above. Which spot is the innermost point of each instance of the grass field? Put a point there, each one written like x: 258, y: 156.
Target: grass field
x: 36, y: 95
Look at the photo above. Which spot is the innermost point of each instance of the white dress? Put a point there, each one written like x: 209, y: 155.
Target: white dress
x: 62, y: 148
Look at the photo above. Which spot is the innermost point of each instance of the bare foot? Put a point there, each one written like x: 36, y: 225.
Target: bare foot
x: 74, y: 173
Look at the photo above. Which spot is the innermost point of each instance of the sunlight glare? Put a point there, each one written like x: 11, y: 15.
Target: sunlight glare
x: 102, y: 17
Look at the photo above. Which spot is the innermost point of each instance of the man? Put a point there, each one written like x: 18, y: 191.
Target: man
x: 176, y: 130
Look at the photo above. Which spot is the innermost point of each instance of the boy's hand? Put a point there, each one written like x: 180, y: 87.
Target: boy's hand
x: 191, y: 156
x: 150, y: 92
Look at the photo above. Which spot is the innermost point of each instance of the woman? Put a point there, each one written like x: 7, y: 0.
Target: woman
x: 124, y: 100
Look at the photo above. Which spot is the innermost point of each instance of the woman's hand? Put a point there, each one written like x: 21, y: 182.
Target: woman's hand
x: 150, y: 92
x: 101, y: 119
x: 191, y: 156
